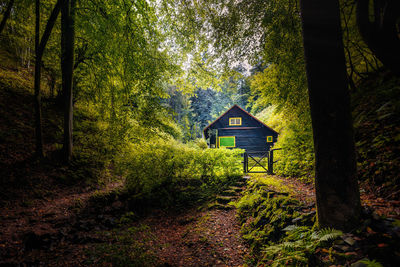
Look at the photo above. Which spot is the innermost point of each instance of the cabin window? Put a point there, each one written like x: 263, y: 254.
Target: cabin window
x: 226, y: 141
x: 235, y: 121
x: 269, y: 139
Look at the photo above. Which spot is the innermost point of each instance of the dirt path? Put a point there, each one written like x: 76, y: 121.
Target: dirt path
x: 197, y: 238
x: 57, y: 232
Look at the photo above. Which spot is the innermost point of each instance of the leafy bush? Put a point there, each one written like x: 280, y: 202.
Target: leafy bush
x: 165, y: 170
x: 296, y: 159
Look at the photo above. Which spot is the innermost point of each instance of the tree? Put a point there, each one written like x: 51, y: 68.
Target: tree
x: 6, y: 15
x: 338, y: 200
x: 382, y: 34
x: 67, y: 67
x: 40, y: 44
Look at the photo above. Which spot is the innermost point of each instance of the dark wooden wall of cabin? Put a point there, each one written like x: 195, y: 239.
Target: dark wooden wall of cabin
x: 247, y: 121
x: 251, y: 139
x: 251, y: 135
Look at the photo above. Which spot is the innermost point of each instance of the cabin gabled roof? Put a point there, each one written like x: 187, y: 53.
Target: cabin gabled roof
x: 217, y: 119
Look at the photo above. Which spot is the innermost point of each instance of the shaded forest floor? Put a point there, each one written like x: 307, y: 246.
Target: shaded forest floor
x: 97, y: 227
x: 94, y: 227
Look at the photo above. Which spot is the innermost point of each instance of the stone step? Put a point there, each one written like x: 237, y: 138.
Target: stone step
x: 230, y: 192
x: 224, y: 199
x: 239, y: 184
x: 236, y: 189
x: 218, y: 206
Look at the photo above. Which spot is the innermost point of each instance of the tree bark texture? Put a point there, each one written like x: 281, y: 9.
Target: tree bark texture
x: 40, y: 44
x: 67, y: 67
x: 337, y: 193
x: 6, y: 15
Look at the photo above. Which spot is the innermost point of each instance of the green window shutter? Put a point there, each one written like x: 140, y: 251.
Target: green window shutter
x: 227, y: 141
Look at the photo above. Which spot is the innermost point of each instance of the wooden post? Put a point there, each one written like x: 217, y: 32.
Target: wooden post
x: 271, y: 162
x: 245, y: 162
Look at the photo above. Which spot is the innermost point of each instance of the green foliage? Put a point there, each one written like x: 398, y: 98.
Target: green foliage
x: 164, y: 171
x: 201, y: 143
x: 298, y: 246
x: 296, y: 158
x: 276, y: 229
x: 370, y: 263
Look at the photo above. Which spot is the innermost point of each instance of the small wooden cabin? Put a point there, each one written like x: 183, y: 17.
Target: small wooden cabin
x: 238, y: 128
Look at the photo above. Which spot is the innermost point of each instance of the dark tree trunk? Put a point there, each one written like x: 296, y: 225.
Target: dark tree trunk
x: 67, y: 66
x: 6, y: 15
x: 337, y: 193
x: 39, y: 49
x: 38, y: 110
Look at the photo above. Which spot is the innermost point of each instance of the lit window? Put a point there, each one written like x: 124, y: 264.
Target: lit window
x: 235, y: 121
x: 226, y: 141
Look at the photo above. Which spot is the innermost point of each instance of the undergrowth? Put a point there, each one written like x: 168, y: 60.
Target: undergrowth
x: 167, y: 172
x: 376, y: 119
x: 279, y: 230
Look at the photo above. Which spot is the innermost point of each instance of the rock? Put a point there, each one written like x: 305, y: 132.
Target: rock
x: 343, y: 248
x: 224, y: 199
x: 349, y: 241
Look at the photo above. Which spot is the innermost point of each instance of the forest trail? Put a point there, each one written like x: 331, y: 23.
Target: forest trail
x: 74, y: 225
x: 71, y: 228
x: 205, y: 238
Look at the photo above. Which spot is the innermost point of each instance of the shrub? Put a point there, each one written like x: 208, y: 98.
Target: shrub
x: 165, y: 170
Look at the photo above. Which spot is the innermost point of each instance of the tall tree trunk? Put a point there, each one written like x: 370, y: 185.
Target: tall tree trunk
x: 40, y: 45
x: 38, y: 110
x: 6, y: 15
x: 67, y: 66
x: 338, y: 199
x: 382, y: 33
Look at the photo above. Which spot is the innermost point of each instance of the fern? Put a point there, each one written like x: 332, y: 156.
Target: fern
x: 299, y: 244
x: 370, y: 263
x: 327, y: 234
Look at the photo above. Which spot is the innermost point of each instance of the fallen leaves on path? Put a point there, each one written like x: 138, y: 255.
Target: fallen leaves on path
x: 206, y: 238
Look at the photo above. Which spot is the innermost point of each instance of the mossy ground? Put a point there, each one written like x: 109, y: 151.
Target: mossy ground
x: 281, y: 229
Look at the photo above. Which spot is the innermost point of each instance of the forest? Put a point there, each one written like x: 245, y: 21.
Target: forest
x: 103, y: 158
